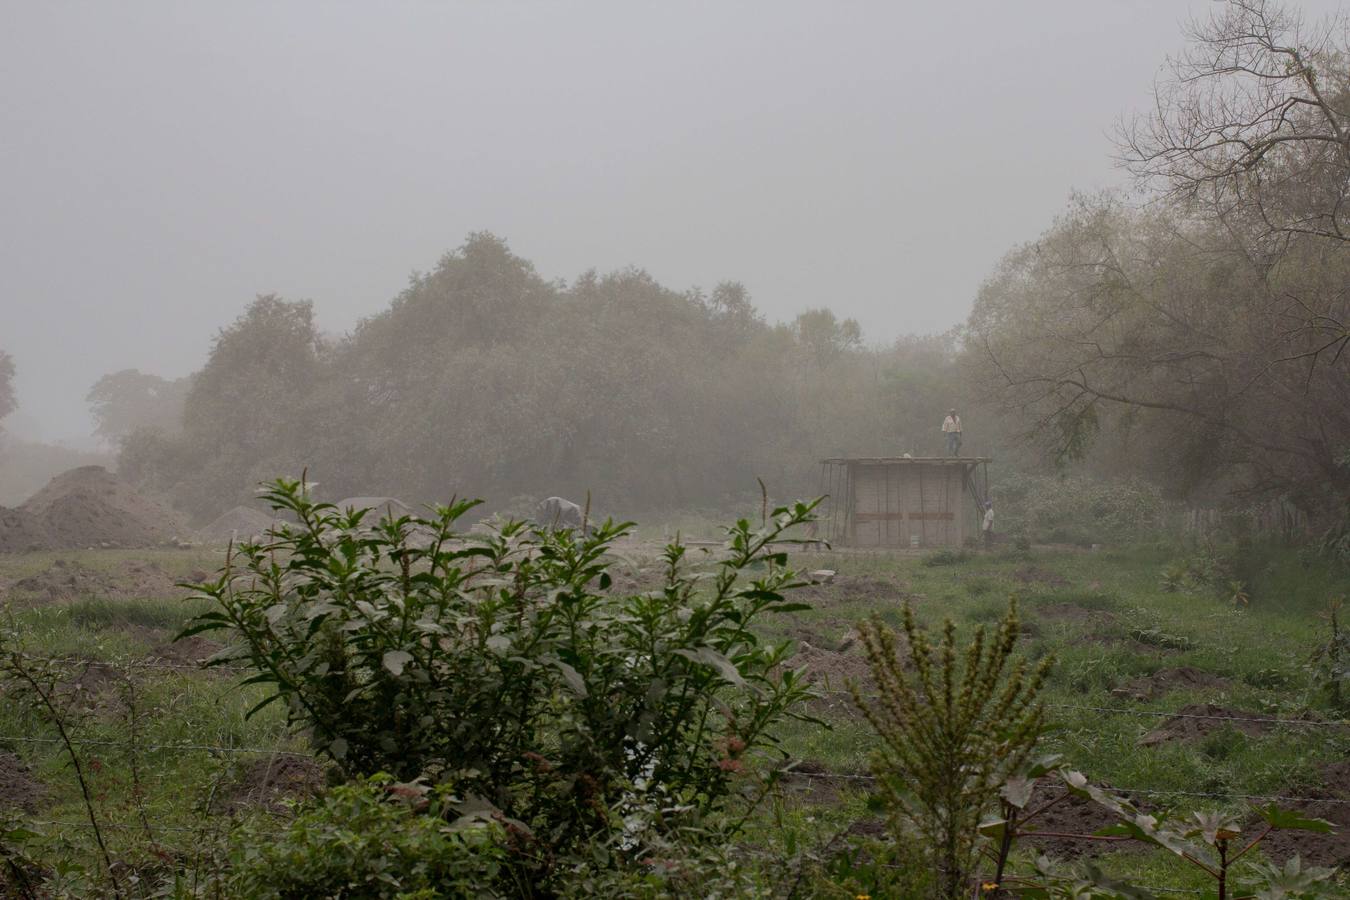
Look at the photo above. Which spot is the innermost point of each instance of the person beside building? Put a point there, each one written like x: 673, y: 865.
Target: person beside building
x: 951, y: 428
x: 987, y: 526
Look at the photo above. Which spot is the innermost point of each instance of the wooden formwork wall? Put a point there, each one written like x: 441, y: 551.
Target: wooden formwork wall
x: 890, y: 505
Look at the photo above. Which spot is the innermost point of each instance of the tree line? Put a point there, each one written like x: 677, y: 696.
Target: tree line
x: 1193, y: 333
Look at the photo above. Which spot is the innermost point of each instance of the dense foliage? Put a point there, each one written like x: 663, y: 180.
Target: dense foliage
x: 483, y: 373
x: 373, y: 838
x: 506, y: 663
x: 1202, y: 338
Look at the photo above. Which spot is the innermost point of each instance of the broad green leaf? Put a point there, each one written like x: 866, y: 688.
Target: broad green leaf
x: 1292, y: 821
x: 395, y: 660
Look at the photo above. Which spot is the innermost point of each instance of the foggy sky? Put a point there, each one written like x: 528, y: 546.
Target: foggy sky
x: 162, y: 163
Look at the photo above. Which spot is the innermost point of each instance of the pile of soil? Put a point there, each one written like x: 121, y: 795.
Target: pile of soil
x: 267, y: 782
x: 1069, y: 816
x: 188, y: 651
x: 1315, y: 849
x: 238, y: 524
x: 86, y: 507
x: 64, y: 580
x: 851, y: 588
x: 18, y: 788
x: 1163, y: 681
x: 1071, y: 612
x: 1034, y: 575
x: 1185, y: 726
x: 833, y: 670
x: 21, y: 531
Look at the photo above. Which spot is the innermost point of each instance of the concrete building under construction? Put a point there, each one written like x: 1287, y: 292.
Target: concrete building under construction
x: 903, y: 501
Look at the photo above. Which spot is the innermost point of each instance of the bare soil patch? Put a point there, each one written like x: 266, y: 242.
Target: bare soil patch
x: 21, y: 531
x: 267, y: 782
x: 1069, y: 815
x: 18, y: 788
x: 833, y: 670
x: 1195, y: 720
x: 1034, y: 575
x: 188, y: 651
x: 1317, y: 849
x: 87, y: 507
x: 1133, y: 645
x: 66, y: 580
x: 852, y: 589
x: 1163, y: 681
x: 1071, y: 612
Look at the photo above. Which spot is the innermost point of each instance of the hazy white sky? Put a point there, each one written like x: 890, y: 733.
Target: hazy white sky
x: 161, y: 163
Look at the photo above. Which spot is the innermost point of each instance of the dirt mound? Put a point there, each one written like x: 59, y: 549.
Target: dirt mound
x: 188, y: 651
x: 86, y: 507
x: 1195, y: 720
x: 1151, y: 687
x: 267, y: 782
x: 18, y: 788
x: 1034, y: 575
x: 833, y: 670
x: 1330, y: 801
x: 1068, y: 816
x: 238, y: 524
x: 21, y: 531
x: 851, y: 589
x: 64, y: 580
x: 1071, y: 612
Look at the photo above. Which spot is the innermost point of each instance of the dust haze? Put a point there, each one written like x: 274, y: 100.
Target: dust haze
x: 776, y: 450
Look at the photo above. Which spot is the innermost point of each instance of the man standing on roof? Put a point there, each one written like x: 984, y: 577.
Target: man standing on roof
x: 951, y: 427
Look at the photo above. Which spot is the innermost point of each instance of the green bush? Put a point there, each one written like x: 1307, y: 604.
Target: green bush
x: 372, y: 838
x: 503, y: 662
x: 1079, y: 510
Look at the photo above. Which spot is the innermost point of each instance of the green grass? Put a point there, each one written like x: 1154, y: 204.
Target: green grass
x: 1103, y: 616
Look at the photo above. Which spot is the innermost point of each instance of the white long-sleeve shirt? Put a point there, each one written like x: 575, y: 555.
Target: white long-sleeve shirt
x: 951, y: 423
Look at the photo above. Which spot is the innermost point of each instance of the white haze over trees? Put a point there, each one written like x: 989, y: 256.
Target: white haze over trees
x: 164, y: 163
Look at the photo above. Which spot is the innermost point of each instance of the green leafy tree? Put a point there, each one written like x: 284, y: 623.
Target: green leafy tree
x: 125, y: 401
x: 504, y: 663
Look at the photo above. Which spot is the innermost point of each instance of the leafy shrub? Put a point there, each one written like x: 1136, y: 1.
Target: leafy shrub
x: 952, y: 733
x: 1331, y: 658
x: 1079, y: 510
x: 502, y: 662
x: 372, y: 838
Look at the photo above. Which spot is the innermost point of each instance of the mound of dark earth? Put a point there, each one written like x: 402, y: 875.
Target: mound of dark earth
x: 1329, y: 801
x: 1034, y: 575
x: 852, y: 588
x: 86, y: 507
x: 1071, y: 612
x: 267, y: 782
x: 1063, y: 815
x: 18, y: 788
x: 1163, y: 681
x: 1195, y: 720
x: 833, y: 669
x: 65, y: 580
x: 21, y: 531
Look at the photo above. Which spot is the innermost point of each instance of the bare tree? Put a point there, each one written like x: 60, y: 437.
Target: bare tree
x: 1253, y: 122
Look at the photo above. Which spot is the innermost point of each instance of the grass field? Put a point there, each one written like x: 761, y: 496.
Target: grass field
x: 168, y: 756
